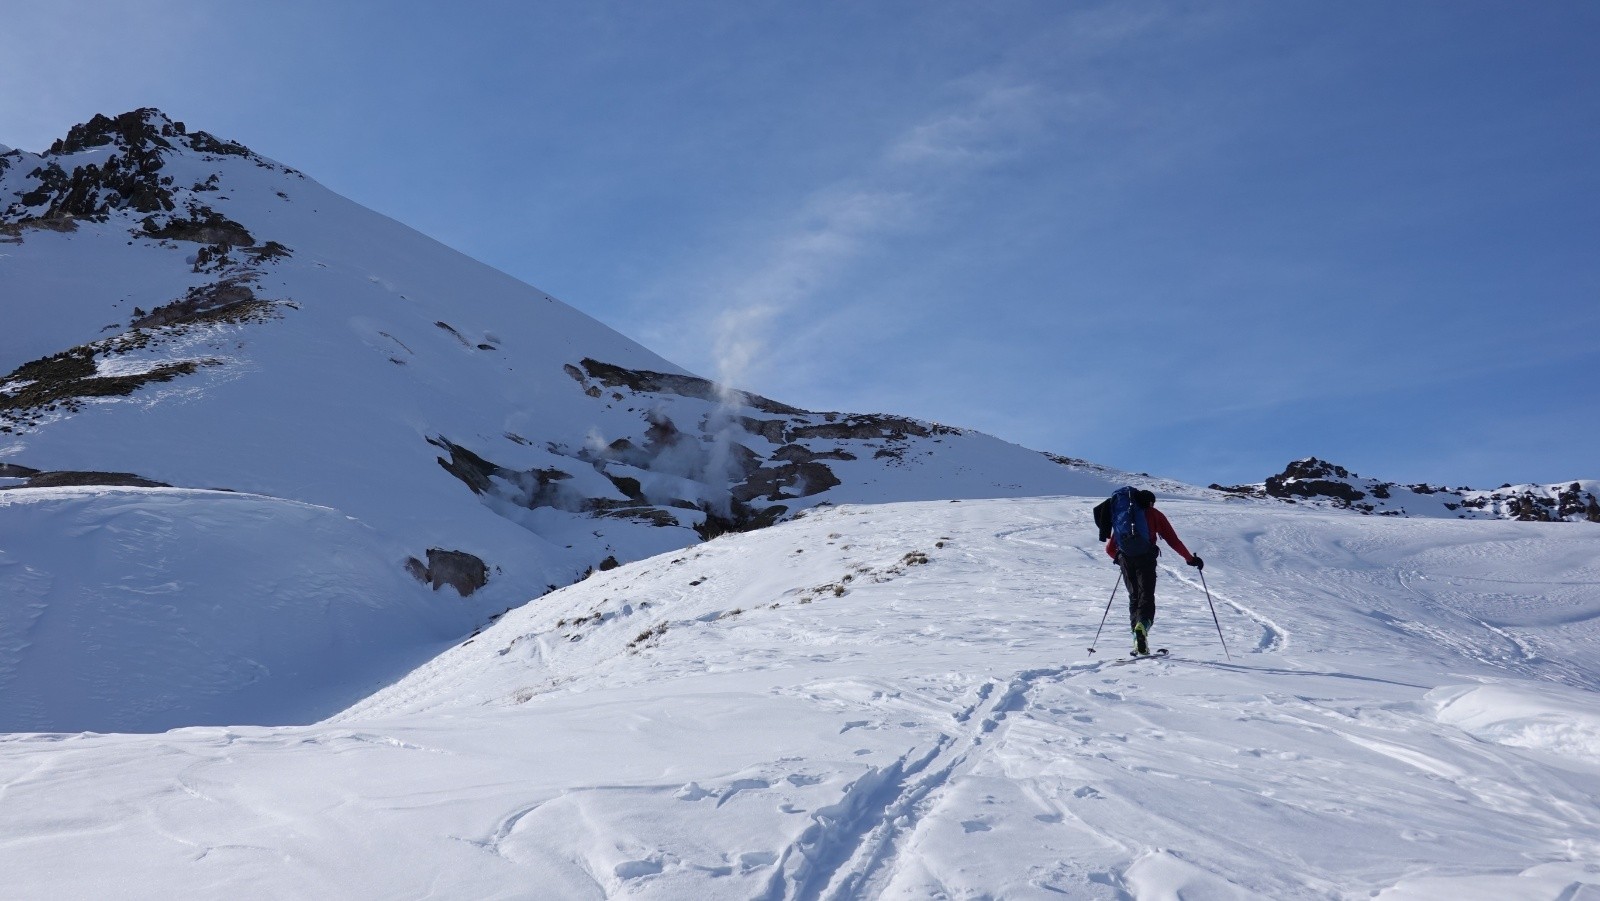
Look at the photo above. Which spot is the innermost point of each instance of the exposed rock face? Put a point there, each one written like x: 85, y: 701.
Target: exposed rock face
x: 1320, y: 482
x: 683, y: 385
x: 226, y: 300
x: 458, y: 569
x: 1314, y: 478
x: 67, y: 478
x: 1554, y: 503
x: 723, y: 470
x: 129, y: 179
x: 203, y: 226
x: 774, y: 483
x: 77, y: 179
x: 66, y: 380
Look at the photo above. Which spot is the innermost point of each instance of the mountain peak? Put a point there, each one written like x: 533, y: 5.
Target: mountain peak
x: 139, y: 128
x: 121, y: 164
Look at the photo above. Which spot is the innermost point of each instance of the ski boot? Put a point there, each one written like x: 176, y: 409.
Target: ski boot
x: 1140, y: 646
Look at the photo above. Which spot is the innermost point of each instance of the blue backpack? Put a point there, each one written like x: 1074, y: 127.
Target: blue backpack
x: 1130, y: 527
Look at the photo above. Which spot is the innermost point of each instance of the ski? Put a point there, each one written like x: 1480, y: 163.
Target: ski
x: 1158, y: 652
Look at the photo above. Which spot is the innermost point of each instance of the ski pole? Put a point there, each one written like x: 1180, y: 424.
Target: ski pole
x: 1108, y: 610
x: 1213, y: 613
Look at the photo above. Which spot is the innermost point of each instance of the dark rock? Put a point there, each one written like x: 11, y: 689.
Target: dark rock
x: 630, y: 487
x: 271, y: 250
x: 204, y: 226
x: 228, y: 300
x: 796, y: 453
x: 771, y: 429
x: 865, y: 428
x: 1313, y: 478
x: 473, y: 470
x: 139, y: 128
x: 460, y: 570
x: 451, y: 329
x: 789, y: 480
x: 681, y: 385
x: 65, y: 379
x: 66, y: 479
x: 207, y: 143
x: 646, y: 514
x: 740, y: 518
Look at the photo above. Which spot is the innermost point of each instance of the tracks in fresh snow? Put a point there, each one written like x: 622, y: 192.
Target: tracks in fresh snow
x: 851, y: 848
x: 1272, y: 637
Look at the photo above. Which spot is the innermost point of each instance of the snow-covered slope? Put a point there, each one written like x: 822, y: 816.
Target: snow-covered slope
x: 179, y: 311
x: 149, y: 608
x: 1324, y: 484
x: 897, y: 702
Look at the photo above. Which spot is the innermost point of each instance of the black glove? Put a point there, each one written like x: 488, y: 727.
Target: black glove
x: 1117, y: 560
x: 1196, y: 562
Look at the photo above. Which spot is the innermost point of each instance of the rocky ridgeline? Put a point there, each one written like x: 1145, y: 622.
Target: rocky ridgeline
x: 116, y: 169
x: 735, y: 461
x: 1326, y: 484
x: 112, y: 165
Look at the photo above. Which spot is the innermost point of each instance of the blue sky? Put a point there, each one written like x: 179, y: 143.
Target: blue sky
x: 1193, y: 239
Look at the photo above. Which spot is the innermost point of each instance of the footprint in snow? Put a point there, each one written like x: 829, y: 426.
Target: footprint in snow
x: 634, y: 869
x: 751, y: 860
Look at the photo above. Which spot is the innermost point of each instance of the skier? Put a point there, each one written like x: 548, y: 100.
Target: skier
x: 1140, y: 570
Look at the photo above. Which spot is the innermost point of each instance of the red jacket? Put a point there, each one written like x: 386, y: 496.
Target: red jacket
x: 1159, y: 528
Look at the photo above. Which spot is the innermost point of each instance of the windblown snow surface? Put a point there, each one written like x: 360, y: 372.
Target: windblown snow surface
x: 898, y: 701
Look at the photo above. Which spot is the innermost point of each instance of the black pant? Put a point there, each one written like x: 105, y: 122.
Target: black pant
x: 1141, y: 576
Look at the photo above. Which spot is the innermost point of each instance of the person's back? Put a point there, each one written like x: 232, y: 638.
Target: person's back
x: 1139, y: 569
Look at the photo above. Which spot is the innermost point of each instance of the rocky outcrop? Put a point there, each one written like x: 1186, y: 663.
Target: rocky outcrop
x: 1327, y: 484
x: 460, y: 570
x: 712, y: 466
x: 1556, y: 503
x: 203, y: 225
x: 72, y: 478
x: 77, y: 179
x: 643, y: 380
x: 790, y: 480
x: 63, y: 381
x: 227, y: 300
x: 1314, y: 478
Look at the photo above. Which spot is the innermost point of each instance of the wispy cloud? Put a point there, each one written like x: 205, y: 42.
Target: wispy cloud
x: 981, y: 132
x: 766, y: 296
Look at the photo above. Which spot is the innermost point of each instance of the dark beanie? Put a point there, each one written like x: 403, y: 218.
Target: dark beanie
x: 1144, y: 498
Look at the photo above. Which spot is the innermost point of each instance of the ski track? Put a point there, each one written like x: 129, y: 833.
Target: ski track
x: 1273, y: 638
x: 853, y: 847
